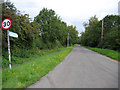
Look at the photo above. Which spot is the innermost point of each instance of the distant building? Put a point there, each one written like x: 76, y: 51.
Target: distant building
x: 119, y: 8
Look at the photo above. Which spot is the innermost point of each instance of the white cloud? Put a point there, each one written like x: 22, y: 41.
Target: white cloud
x: 71, y: 11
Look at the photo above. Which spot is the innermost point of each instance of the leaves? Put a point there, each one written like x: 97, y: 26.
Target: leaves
x: 52, y: 28
x: 92, y: 34
x: 45, y: 32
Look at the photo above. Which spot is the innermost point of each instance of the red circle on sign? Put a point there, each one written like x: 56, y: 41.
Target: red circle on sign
x: 6, y: 28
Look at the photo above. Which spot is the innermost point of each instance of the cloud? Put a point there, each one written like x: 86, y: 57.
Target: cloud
x: 71, y: 11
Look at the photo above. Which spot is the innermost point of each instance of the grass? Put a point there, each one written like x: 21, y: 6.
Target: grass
x: 0, y: 79
x: 0, y: 73
x: 16, y: 60
x: 28, y: 73
x: 107, y: 52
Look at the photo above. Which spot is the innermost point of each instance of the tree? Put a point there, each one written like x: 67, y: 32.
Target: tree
x: 92, y: 34
x: 111, y: 24
x: 46, y: 19
x: 53, y: 28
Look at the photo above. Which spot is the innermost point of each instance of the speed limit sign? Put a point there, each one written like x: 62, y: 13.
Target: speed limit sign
x: 6, y: 24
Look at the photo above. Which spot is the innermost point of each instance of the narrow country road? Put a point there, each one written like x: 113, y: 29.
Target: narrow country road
x: 82, y: 68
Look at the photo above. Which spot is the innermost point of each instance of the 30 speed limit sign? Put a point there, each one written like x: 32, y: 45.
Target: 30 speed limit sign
x: 6, y: 24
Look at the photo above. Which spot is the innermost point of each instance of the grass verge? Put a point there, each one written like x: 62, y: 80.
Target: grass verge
x: 28, y: 73
x: 107, y: 52
x: 16, y: 60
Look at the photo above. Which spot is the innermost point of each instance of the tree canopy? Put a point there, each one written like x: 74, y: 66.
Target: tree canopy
x: 46, y: 31
x: 92, y: 34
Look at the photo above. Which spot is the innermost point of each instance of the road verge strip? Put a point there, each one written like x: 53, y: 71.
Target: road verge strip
x: 28, y: 73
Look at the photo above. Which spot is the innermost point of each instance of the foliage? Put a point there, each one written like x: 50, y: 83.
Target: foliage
x: 92, y: 35
x: 46, y: 31
x: 27, y: 55
x: 52, y: 28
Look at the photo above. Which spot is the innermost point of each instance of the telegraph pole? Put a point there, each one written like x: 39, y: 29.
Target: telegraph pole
x: 102, y: 34
x: 68, y: 40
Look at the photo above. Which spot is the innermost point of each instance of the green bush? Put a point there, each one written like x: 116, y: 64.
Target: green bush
x: 58, y: 44
x: 38, y: 43
x: 23, y: 53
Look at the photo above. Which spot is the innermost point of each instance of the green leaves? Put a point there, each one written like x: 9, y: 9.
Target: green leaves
x: 47, y: 31
x: 92, y: 34
x: 52, y: 28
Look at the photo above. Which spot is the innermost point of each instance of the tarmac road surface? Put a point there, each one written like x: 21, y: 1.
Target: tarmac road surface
x: 82, y: 68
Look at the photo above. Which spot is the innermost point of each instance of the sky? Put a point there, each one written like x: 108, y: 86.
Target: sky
x: 73, y: 12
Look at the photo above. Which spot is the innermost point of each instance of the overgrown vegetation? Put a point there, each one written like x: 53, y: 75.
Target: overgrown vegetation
x: 46, y: 31
x: 25, y: 74
x: 30, y: 56
x: 111, y: 33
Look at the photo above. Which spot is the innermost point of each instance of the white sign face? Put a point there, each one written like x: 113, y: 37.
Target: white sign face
x: 6, y: 24
x: 12, y: 34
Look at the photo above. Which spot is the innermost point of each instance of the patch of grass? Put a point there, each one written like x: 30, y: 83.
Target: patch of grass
x: 0, y: 73
x: 0, y: 79
x: 16, y: 60
x: 28, y: 73
x: 107, y: 52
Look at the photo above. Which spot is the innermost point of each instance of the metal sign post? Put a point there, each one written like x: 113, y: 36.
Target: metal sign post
x: 6, y: 24
x: 9, y: 49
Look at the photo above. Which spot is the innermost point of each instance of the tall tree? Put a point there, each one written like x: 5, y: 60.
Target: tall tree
x: 92, y: 34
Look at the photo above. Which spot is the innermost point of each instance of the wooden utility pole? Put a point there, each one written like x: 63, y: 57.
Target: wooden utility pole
x: 102, y: 34
x: 68, y: 40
